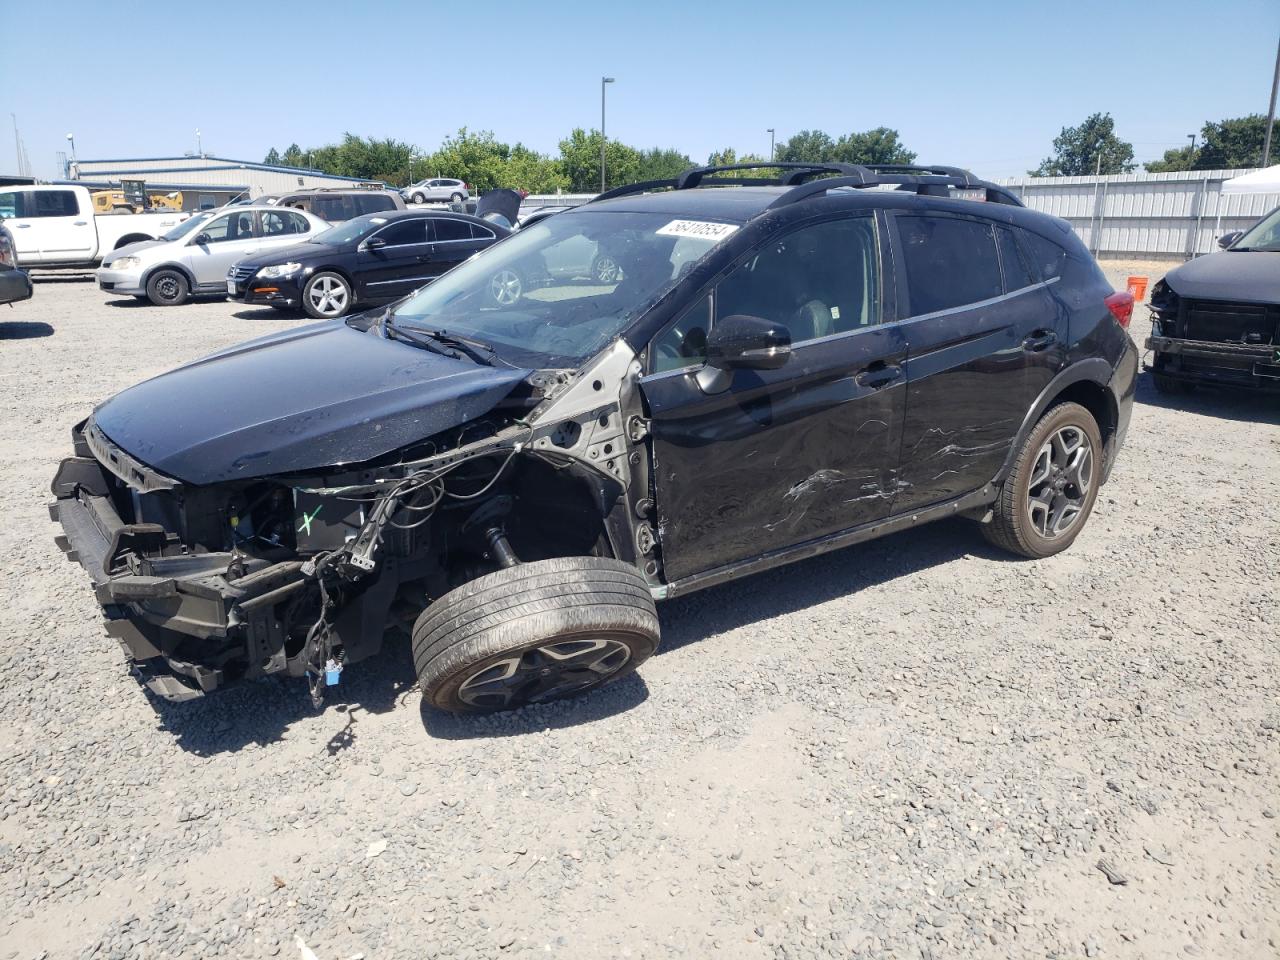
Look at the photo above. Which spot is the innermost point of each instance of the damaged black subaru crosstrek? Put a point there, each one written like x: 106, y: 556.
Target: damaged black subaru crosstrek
x: 520, y: 458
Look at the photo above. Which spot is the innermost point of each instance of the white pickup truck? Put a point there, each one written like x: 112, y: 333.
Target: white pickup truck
x: 55, y: 226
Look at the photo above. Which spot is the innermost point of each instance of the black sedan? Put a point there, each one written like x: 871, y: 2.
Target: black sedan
x: 368, y: 260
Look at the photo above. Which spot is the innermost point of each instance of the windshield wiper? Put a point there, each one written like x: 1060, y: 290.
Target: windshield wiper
x: 435, y: 339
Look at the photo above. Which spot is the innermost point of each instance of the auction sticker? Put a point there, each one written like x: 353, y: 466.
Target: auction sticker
x: 698, y: 229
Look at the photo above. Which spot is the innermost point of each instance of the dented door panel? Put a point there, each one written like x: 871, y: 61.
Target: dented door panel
x: 781, y: 457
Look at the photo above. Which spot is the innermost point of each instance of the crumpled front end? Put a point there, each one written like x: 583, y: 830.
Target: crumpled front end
x: 191, y: 619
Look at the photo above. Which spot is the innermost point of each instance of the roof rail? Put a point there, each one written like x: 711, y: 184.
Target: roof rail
x: 924, y: 179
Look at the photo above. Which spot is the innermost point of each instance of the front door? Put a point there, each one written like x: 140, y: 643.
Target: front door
x: 219, y: 244
x: 790, y: 455
x: 393, y: 261
x: 983, y: 339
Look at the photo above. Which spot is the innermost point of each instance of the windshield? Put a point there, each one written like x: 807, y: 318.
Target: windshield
x: 1263, y: 235
x: 557, y: 292
x: 186, y: 226
x: 350, y: 231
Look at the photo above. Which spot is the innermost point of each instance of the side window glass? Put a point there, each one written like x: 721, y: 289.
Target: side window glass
x: 1046, y: 256
x: 1016, y: 272
x: 404, y: 232
x: 374, y: 203
x: 949, y: 262
x: 53, y: 203
x: 684, y: 342
x: 11, y: 204
x: 818, y: 281
x: 300, y: 223
x: 481, y: 233
x: 452, y: 230
x: 218, y: 229
x: 277, y: 223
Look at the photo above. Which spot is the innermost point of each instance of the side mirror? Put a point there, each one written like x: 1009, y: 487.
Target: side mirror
x: 375, y: 243
x: 742, y: 342
x: 202, y: 239
x: 1227, y: 239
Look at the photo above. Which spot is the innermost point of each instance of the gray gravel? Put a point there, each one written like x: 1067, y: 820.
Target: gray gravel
x: 915, y: 749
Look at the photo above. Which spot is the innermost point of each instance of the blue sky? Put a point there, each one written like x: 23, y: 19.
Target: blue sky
x: 981, y: 85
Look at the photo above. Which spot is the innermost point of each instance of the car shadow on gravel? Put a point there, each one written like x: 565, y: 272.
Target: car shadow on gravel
x: 41, y: 279
x: 268, y: 313
x: 261, y: 712
x: 819, y: 579
x: 21, y: 330
x: 1210, y: 401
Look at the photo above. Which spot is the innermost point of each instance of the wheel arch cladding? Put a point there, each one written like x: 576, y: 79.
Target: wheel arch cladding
x: 132, y: 238
x: 1085, y: 383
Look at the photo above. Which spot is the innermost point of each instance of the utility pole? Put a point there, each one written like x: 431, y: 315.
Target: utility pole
x: 17, y: 143
x: 199, y: 146
x: 770, y: 132
x: 603, y: 141
x: 1271, y: 112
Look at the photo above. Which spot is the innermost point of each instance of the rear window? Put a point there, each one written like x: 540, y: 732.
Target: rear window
x: 446, y: 230
x: 1017, y: 274
x: 374, y: 203
x: 335, y: 208
x: 949, y: 262
x: 52, y: 203
x: 1047, y: 258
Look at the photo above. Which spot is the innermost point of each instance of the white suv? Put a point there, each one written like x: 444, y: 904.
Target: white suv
x: 194, y: 257
x: 439, y: 189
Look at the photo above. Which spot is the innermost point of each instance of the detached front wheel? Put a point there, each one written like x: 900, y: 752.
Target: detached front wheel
x: 533, y: 633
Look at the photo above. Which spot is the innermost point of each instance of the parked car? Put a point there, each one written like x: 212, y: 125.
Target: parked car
x: 55, y: 226
x: 193, y: 258
x: 336, y: 206
x: 436, y: 189
x: 784, y: 369
x: 1216, y: 319
x: 366, y: 261
x: 15, y: 285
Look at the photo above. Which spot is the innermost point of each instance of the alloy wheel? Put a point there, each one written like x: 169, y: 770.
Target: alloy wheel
x: 607, y: 270
x: 329, y: 296
x: 505, y: 287
x: 1060, y: 483
x: 544, y: 673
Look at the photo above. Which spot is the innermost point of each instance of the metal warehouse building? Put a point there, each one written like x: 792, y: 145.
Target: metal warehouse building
x: 207, y: 171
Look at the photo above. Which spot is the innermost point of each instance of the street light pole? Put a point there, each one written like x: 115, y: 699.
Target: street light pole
x: 1271, y: 113
x: 603, y: 141
x: 770, y: 132
x: 72, y: 140
x: 199, y: 146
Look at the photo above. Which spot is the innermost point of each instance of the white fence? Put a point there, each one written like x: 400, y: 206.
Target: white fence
x: 1164, y: 216
x: 1150, y: 215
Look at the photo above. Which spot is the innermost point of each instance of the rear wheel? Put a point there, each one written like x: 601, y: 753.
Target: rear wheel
x: 533, y: 633
x: 168, y: 288
x: 326, y: 295
x: 456, y: 197
x: 1050, y: 492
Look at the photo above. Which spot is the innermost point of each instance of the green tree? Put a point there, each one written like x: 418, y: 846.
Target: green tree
x: 580, y: 161
x: 474, y: 157
x: 1231, y: 144
x: 1183, y: 158
x: 662, y: 164
x: 526, y: 169
x: 272, y: 157
x: 880, y: 145
x: 293, y: 156
x: 1091, y: 147
x: 807, y: 146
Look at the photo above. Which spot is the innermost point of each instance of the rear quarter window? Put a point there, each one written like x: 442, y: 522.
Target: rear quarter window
x: 950, y: 262
x: 374, y: 202
x: 1047, y: 258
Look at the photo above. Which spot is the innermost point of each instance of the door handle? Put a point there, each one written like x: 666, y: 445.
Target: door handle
x: 1039, y: 341
x: 81, y: 223
x: 877, y: 375
x: 22, y: 226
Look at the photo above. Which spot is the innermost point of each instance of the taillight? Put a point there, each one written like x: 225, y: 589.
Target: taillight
x: 1121, y: 307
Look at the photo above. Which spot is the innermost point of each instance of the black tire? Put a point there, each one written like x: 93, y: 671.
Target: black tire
x: 419, y: 198
x: 319, y: 291
x: 168, y: 288
x: 456, y: 197
x: 1013, y: 527
x: 1171, y: 386
x: 506, y: 624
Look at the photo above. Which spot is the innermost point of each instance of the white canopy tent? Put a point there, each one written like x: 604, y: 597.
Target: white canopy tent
x: 1266, y: 180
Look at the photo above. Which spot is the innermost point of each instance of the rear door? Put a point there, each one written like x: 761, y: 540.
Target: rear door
x: 453, y: 241
x: 789, y: 455
x: 983, y: 339
x: 397, y: 265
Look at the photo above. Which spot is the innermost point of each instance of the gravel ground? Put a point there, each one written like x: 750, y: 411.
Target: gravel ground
x: 916, y: 748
